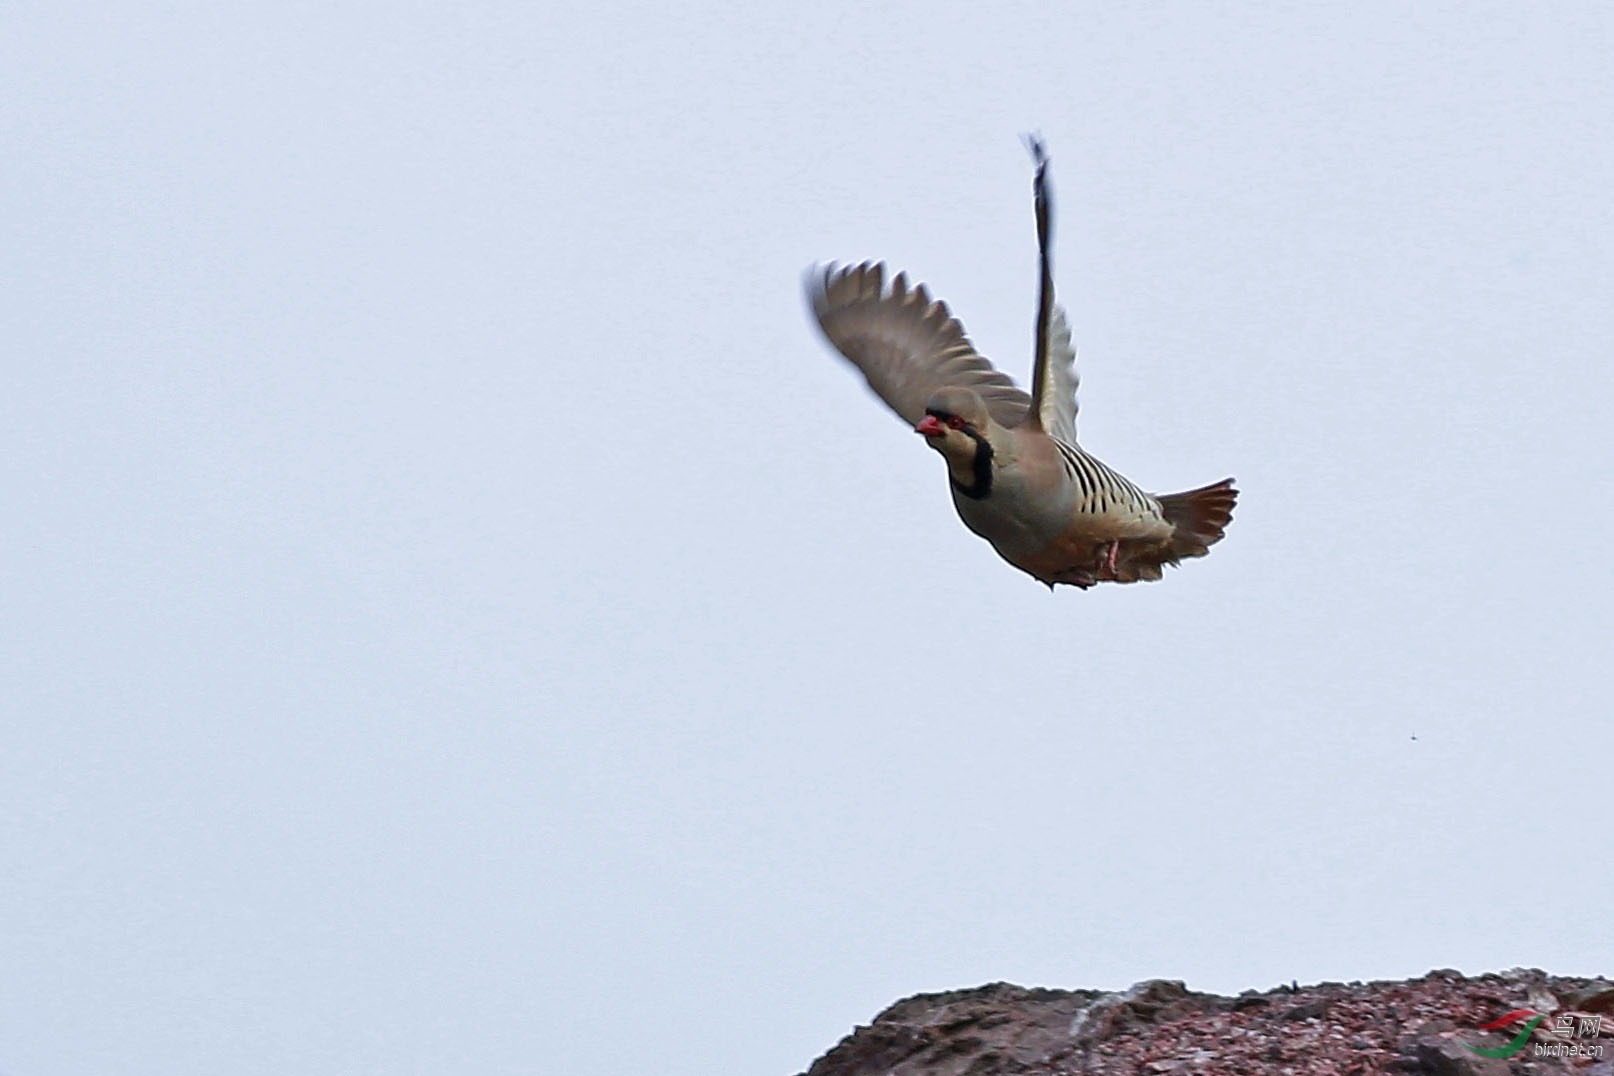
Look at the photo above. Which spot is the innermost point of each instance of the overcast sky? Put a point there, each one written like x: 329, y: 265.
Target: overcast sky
x: 458, y: 616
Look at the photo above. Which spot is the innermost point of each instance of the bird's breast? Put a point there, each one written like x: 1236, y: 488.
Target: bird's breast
x: 1019, y: 517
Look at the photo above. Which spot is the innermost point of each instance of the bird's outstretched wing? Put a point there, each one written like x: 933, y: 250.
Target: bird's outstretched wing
x: 1057, y: 377
x: 1053, y: 374
x: 907, y: 344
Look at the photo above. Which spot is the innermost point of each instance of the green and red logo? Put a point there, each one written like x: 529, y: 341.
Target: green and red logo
x: 1572, y: 1034
x: 1518, y: 1040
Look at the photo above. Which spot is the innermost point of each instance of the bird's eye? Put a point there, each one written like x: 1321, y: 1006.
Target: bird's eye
x: 954, y: 422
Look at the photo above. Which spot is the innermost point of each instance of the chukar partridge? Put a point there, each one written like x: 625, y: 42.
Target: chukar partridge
x: 1018, y: 477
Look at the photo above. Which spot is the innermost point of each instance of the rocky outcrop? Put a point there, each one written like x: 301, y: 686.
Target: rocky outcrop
x: 1430, y: 1025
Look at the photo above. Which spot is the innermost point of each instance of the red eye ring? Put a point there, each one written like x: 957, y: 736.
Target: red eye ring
x: 954, y: 422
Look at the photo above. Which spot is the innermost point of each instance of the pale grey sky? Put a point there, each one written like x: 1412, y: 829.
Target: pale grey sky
x: 459, y: 617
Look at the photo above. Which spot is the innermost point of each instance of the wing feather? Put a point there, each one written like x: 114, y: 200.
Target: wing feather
x: 906, y: 344
x: 1056, y: 408
x: 1053, y: 373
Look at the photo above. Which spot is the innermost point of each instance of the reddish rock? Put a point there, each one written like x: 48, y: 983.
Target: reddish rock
x: 1428, y: 1025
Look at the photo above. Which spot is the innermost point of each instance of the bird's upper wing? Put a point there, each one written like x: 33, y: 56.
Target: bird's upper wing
x: 1057, y: 380
x: 1053, y: 375
x: 905, y: 343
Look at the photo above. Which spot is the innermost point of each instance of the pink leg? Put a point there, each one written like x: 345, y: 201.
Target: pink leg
x: 1109, y: 560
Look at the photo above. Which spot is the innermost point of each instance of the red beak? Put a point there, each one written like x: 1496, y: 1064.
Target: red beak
x: 930, y: 426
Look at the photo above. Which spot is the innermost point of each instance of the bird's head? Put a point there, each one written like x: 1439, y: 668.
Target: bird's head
x: 956, y: 422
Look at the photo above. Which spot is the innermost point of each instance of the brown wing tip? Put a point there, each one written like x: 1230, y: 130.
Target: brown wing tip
x: 834, y: 285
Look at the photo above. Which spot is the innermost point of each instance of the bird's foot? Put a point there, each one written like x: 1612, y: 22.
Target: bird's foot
x: 1108, y: 554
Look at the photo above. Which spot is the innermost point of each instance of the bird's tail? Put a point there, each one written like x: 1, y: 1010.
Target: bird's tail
x: 1199, y: 516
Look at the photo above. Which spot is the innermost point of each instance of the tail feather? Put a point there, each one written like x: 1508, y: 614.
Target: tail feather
x: 1200, y: 517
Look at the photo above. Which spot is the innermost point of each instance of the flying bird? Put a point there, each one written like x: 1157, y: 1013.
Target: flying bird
x: 1018, y: 477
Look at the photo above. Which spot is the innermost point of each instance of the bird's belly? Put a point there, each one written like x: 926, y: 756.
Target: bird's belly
x: 1077, y: 550
x: 1058, y: 541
